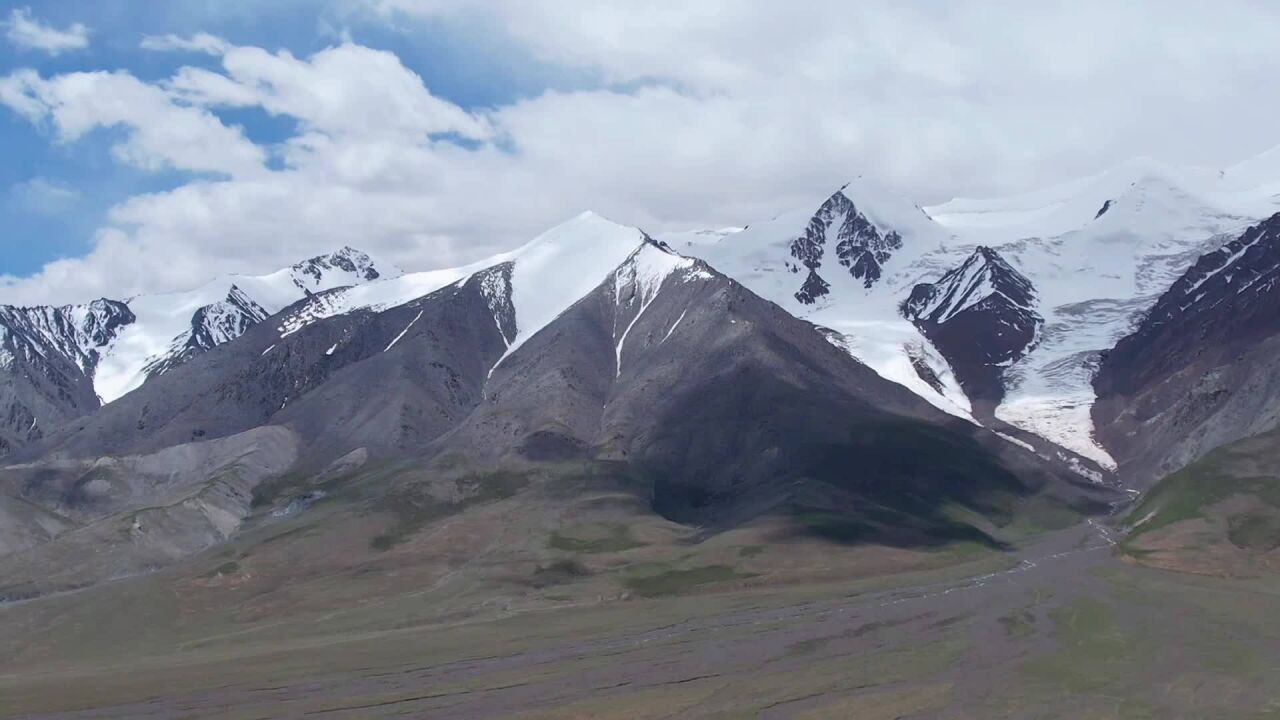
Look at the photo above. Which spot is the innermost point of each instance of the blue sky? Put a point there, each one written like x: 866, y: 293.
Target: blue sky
x: 437, y: 132
x: 54, y: 195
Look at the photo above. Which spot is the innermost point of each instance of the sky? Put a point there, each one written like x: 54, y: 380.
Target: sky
x: 150, y: 146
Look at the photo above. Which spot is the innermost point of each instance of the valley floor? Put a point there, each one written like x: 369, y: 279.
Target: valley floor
x: 1058, y: 629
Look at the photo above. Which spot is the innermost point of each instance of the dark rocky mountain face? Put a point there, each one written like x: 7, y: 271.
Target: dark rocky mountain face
x: 724, y: 407
x: 47, y: 359
x: 981, y: 316
x: 1202, y: 369
x: 860, y: 247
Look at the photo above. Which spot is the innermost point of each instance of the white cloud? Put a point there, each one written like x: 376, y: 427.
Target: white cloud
x: 29, y: 33
x: 199, y: 43
x: 348, y: 90
x: 715, y: 113
x: 160, y: 133
x: 44, y: 196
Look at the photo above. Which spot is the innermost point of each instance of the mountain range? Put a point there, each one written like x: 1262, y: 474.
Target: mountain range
x: 863, y: 368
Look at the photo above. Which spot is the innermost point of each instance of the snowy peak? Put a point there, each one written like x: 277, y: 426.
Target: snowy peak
x: 642, y: 274
x: 47, y: 359
x: 638, y: 282
x: 1142, y: 196
x: 211, y: 326
x: 78, y: 333
x: 981, y: 316
x: 859, y: 246
x: 983, y: 279
x: 563, y: 265
x: 172, y: 328
x: 345, y: 267
x: 526, y: 288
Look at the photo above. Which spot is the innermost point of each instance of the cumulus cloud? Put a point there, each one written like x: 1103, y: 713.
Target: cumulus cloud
x: 198, y: 43
x: 706, y: 114
x: 348, y: 90
x: 28, y: 33
x: 159, y: 132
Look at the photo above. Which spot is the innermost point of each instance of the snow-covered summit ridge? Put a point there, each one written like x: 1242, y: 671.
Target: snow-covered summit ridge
x: 345, y: 267
x: 983, y: 275
x: 547, y: 275
x: 80, y: 333
x: 1197, y: 196
x: 171, y: 327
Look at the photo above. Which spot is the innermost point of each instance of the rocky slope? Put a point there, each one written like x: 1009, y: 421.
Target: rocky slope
x: 1200, y: 370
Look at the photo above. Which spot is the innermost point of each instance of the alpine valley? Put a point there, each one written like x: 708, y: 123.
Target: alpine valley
x: 861, y: 459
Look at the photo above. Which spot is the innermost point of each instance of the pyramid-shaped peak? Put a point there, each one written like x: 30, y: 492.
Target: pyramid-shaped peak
x: 345, y: 266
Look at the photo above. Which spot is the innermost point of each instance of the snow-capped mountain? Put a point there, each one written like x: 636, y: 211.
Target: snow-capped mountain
x: 981, y: 316
x: 47, y: 359
x: 996, y: 311
x: 211, y: 326
x: 858, y: 244
x: 60, y: 363
x: 1018, y: 296
x: 170, y: 328
x: 594, y: 342
x: 1099, y: 253
x: 76, y: 332
x: 846, y: 263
